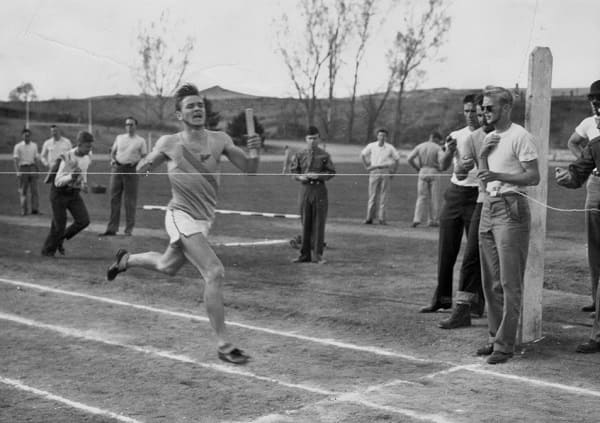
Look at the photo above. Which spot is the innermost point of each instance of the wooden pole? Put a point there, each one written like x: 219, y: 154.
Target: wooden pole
x: 90, y: 115
x: 537, y: 122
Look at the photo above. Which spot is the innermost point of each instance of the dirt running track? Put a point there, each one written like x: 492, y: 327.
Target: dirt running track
x: 325, y: 348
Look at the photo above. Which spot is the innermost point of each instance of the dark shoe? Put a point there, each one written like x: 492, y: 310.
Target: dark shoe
x: 116, y: 268
x: 368, y: 222
x: 47, y: 253
x: 108, y: 233
x: 35, y: 212
x: 435, y: 307
x: 461, y: 317
x: 588, y: 347
x: 301, y: 260
x: 382, y: 222
x: 498, y: 357
x: 588, y: 308
x: 415, y: 224
x: 477, y: 310
x: 487, y: 349
x: 233, y: 355
x: 61, y: 249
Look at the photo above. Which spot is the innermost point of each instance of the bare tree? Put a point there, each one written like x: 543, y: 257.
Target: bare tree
x: 362, y: 23
x: 162, y: 67
x: 24, y: 92
x: 305, y: 54
x: 418, y: 41
x: 374, y: 104
x: 338, y: 27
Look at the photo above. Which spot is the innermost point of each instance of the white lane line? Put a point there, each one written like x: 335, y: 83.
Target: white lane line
x: 73, y: 404
x: 337, y: 396
x: 323, y: 341
x: 476, y: 368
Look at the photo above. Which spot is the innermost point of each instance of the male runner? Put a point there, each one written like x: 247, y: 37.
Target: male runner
x: 193, y: 161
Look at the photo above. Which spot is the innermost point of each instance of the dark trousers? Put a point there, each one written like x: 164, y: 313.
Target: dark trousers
x: 28, y: 184
x: 455, y: 219
x: 314, y: 214
x: 123, y: 182
x: 470, y: 290
x: 61, y: 200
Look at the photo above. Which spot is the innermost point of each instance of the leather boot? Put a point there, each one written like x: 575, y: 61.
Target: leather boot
x: 460, y: 317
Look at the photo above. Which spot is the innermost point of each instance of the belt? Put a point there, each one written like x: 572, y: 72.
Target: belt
x: 505, y: 194
x: 313, y: 182
x: 125, y: 164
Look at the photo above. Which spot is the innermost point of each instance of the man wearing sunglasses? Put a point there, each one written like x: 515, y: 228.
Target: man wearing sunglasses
x: 586, y: 167
x: 584, y: 132
x: 457, y: 208
x: 508, y: 160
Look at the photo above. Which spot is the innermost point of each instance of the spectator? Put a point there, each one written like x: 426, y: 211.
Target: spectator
x: 27, y: 157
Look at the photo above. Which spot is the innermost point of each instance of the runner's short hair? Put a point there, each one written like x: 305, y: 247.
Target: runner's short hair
x: 384, y: 130
x: 132, y: 118
x: 436, y: 135
x: 25, y: 130
x: 84, y: 136
x: 312, y: 130
x: 184, y: 91
x: 469, y: 98
x: 503, y: 95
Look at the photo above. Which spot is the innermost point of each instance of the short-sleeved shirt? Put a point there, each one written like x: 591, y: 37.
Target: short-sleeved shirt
x: 588, y: 128
x: 26, y: 154
x: 385, y: 155
x: 52, y: 149
x: 472, y: 150
x: 516, y: 145
x: 428, y: 153
x: 461, y: 139
x: 70, y: 161
x: 193, y: 169
x: 129, y: 150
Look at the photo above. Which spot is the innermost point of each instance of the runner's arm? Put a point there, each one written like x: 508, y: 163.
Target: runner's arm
x: 244, y: 162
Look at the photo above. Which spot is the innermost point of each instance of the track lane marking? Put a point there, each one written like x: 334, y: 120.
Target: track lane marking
x: 73, y: 404
x: 475, y: 368
x: 323, y: 341
x: 349, y: 397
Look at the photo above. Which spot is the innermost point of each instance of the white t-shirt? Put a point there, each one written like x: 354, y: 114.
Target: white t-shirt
x: 129, y: 150
x: 52, y: 149
x: 26, y: 154
x: 385, y: 155
x: 68, y: 164
x: 461, y: 137
x: 588, y: 128
x: 516, y: 145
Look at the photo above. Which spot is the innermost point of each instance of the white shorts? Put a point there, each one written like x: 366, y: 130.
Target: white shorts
x: 179, y: 223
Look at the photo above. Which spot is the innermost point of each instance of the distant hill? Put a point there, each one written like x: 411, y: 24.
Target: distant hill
x: 284, y: 118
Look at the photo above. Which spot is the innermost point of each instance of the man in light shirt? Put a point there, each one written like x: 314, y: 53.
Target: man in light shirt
x: 70, y: 180
x: 508, y: 160
x: 54, y: 147
x: 26, y: 157
x: 584, y: 132
x: 127, y: 150
x: 425, y: 159
x: 459, y: 202
x: 381, y: 160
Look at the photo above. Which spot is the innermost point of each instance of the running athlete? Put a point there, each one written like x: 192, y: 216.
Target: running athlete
x: 193, y: 162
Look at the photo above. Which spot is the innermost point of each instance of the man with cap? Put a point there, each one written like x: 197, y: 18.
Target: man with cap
x: 312, y: 167
x: 584, y: 132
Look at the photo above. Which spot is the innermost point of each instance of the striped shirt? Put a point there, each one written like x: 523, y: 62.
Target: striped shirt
x: 193, y: 169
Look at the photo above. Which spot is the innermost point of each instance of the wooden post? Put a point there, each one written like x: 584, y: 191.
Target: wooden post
x: 537, y: 122
x: 90, y: 115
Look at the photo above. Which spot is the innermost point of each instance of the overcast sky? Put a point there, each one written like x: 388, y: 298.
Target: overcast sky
x: 75, y: 48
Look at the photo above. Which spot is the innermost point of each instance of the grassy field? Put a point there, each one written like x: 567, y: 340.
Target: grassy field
x: 341, y: 342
